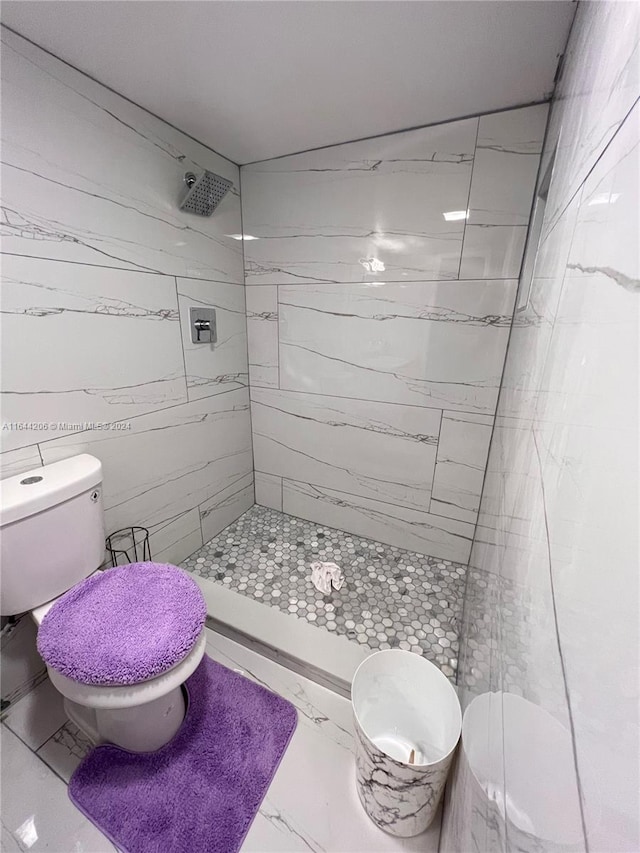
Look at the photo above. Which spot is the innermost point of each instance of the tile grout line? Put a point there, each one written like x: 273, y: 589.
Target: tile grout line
x: 268, y: 388
x: 401, y: 130
x: 278, y: 331
x: 246, y: 327
x: 321, y: 283
x: 130, y: 418
x: 362, y: 509
x: 280, y: 156
x: 446, y: 408
x: 347, y: 283
x: 435, y: 462
x: 473, y: 167
x: 119, y: 94
x: 122, y: 269
x: 558, y: 216
x: 501, y: 384
x: 180, y: 327
x: 39, y: 757
x: 559, y: 646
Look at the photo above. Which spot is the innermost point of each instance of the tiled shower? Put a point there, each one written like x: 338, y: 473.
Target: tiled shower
x: 376, y: 348
x: 391, y: 388
x: 366, y: 391
x: 380, y: 292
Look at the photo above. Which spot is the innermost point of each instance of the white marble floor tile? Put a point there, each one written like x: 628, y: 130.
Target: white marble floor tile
x: 65, y: 750
x: 37, y: 716
x: 312, y: 803
x: 37, y: 813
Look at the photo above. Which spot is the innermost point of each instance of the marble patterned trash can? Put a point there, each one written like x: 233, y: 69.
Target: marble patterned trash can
x: 407, y: 723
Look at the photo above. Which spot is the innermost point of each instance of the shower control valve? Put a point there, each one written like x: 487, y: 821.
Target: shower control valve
x: 202, y: 322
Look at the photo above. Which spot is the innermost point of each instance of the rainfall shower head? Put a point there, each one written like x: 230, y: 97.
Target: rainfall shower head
x: 204, y: 194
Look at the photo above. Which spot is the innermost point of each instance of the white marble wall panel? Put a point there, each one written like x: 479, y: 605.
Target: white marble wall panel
x: 412, y: 529
x: 593, y: 112
x: 225, y: 506
x: 533, y: 321
x: 18, y: 461
x: 506, y: 165
x: 22, y: 666
x: 463, y: 448
x: 375, y: 450
x: 99, y: 273
x: 363, y: 211
x: 504, y: 178
x: 83, y: 343
x: 371, y: 303
x: 493, y: 251
x: 222, y: 366
x: 422, y: 343
x: 559, y: 515
x: 268, y: 490
x: 590, y: 472
x: 262, y: 331
x: 91, y: 178
x: 168, y: 462
x: 174, y: 540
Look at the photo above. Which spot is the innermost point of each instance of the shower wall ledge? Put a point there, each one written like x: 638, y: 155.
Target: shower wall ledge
x: 327, y: 659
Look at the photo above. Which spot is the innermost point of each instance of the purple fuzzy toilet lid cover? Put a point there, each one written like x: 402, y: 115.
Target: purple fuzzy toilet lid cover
x: 123, y: 626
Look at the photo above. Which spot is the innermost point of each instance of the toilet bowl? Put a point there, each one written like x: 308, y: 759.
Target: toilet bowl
x: 118, y: 644
x: 140, y: 717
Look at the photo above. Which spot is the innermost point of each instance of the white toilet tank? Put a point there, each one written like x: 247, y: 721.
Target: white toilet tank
x: 51, y: 531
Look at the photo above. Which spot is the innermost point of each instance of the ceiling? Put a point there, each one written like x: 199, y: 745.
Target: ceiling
x: 255, y: 79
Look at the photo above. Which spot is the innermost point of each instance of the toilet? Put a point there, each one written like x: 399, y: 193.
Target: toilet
x: 119, y: 643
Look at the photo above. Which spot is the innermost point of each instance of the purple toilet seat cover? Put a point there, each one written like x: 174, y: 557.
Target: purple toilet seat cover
x: 123, y: 626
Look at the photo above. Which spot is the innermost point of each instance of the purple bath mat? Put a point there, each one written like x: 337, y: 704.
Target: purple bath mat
x: 200, y: 792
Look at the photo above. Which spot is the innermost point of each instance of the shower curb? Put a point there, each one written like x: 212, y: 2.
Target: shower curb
x: 325, y: 658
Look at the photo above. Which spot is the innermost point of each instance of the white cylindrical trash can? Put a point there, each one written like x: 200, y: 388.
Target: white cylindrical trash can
x: 407, y: 722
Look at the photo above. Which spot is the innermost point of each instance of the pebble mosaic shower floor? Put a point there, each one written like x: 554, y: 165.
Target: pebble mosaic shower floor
x: 391, y: 598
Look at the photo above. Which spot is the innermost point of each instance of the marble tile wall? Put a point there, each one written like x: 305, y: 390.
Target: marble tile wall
x: 550, y: 633
x: 381, y: 278
x: 99, y: 271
